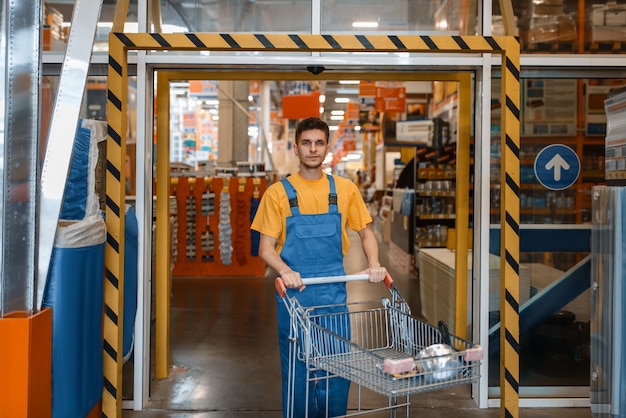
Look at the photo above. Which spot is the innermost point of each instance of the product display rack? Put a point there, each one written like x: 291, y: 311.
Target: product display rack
x: 214, y: 217
x: 435, y: 204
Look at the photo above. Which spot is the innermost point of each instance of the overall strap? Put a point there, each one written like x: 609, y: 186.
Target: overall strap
x: 332, y: 196
x: 292, y: 196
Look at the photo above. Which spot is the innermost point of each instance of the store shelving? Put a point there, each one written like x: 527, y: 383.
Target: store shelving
x: 435, y: 200
x: 537, y: 203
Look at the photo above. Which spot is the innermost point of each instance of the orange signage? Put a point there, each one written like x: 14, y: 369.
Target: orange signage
x: 367, y: 88
x: 203, y: 87
x: 390, y: 99
x: 299, y: 106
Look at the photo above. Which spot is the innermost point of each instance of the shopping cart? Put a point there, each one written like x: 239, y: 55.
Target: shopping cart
x: 377, y: 345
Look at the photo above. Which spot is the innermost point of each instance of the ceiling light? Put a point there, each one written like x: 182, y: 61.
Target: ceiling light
x: 333, y: 128
x: 353, y: 156
x: 364, y: 24
x: 349, y: 81
x: 322, y: 98
x: 336, y: 117
x: 342, y: 100
x: 337, y: 112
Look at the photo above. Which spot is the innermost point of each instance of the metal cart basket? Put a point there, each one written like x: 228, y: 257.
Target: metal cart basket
x: 388, y: 351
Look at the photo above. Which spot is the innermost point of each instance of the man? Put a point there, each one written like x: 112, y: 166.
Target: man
x: 303, y: 223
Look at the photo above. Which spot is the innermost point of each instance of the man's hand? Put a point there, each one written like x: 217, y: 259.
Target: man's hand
x: 292, y: 280
x: 376, y: 274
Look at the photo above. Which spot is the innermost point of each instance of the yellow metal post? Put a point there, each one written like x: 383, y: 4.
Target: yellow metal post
x: 508, y: 17
x: 162, y: 234
x: 119, y: 16
x: 510, y: 220
x: 115, y: 214
x: 462, y: 206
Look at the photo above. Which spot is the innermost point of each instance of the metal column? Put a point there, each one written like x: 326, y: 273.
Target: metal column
x: 63, y: 129
x: 21, y: 72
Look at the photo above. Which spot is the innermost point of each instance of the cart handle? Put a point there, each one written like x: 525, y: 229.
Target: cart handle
x: 282, y: 290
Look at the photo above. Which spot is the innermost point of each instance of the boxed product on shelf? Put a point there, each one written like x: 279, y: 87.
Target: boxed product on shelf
x: 595, y: 118
x: 552, y: 29
x: 417, y: 131
x: 608, y: 22
x: 54, y: 35
x: 547, y: 7
x: 497, y: 25
x: 549, y: 129
x: 549, y: 107
x: 548, y: 2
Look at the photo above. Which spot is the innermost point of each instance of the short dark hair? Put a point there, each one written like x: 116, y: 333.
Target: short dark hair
x: 310, y: 124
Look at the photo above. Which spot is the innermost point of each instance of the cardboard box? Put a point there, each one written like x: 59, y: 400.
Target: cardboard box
x: 417, y: 131
x: 544, y: 9
x: 550, y: 2
x: 549, y: 129
x: 610, y: 14
x: 550, y: 29
x: 549, y: 107
x: 608, y: 33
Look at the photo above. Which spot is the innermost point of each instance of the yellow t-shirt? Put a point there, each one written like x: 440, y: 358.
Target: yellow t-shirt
x: 270, y: 218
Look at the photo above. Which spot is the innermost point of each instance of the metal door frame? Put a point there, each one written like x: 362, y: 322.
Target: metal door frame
x: 121, y: 43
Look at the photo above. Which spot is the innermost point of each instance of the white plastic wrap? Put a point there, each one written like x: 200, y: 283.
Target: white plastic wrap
x: 84, y: 233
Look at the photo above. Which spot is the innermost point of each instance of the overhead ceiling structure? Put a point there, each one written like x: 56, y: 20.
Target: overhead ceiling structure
x: 280, y: 16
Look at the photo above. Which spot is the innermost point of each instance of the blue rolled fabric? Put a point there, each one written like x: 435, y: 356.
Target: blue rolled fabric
x: 75, y: 292
x: 76, y: 188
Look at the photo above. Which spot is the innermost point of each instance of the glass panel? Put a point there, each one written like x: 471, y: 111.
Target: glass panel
x: 239, y: 15
x: 93, y: 107
x: 287, y: 16
x: 555, y: 112
x: 94, y: 101
x: 58, y: 18
x: 567, y: 26
x: 423, y: 16
x: 225, y: 16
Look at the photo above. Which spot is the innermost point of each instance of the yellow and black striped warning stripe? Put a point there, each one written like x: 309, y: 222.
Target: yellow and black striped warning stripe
x: 510, y: 216
x: 114, y: 213
x: 121, y: 43
x: 304, y: 42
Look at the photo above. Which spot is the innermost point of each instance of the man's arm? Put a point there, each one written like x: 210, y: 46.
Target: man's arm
x: 370, y: 248
x: 268, y: 253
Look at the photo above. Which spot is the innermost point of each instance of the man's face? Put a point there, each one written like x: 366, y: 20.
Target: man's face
x: 312, y: 148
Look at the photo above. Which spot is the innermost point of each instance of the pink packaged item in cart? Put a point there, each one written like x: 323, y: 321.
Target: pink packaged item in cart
x: 398, y: 366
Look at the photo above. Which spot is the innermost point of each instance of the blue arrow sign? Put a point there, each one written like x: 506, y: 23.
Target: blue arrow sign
x: 557, y: 167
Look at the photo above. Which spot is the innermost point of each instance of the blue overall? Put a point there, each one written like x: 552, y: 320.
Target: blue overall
x: 313, y: 249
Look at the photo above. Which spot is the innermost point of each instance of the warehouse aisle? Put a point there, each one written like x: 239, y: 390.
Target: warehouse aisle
x: 224, y: 351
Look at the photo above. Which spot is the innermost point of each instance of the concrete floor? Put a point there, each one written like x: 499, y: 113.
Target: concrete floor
x: 224, y: 354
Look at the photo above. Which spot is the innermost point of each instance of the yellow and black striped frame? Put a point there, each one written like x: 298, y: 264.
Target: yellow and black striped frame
x: 119, y: 45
